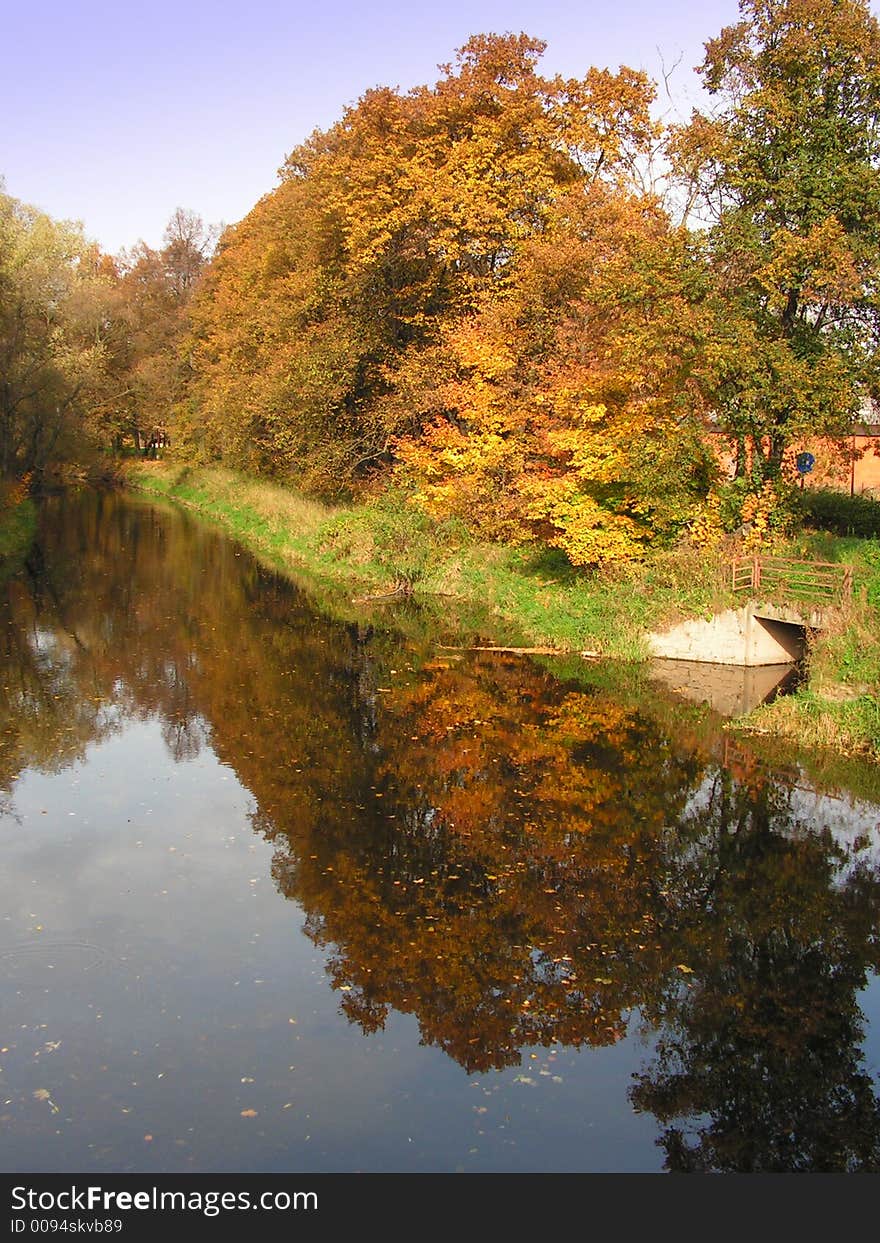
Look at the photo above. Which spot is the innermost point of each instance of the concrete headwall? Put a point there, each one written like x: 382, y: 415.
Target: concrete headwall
x: 734, y: 637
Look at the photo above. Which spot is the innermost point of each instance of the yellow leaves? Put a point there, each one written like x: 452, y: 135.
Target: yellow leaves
x: 606, y: 116
x: 43, y: 1094
x: 588, y: 542
x: 573, y: 406
x: 589, y: 532
x: 707, y: 529
x: 819, y: 266
x: 484, y: 346
x: 757, y: 511
x: 390, y: 280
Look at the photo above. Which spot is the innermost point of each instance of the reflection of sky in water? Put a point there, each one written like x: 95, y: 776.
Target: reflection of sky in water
x: 853, y: 823
x: 155, y: 983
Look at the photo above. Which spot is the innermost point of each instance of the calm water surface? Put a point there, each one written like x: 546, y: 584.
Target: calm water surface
x: 280, y: 893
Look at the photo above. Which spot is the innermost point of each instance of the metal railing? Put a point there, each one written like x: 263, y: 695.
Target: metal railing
x: 817, y: 582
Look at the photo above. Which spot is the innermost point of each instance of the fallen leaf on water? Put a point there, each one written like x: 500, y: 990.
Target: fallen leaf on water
x: 249, y: 1113
x: 687, y: 970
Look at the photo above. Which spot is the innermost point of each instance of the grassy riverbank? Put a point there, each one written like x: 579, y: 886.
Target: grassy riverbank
x: 373, y: 547
x: 519, y: 596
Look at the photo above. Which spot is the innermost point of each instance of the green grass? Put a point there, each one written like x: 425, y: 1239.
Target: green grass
x: 850, y: 727
x: 838, y: 706
x: 847, y: 653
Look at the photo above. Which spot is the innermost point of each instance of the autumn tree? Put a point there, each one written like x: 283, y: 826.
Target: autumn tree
x: 784, y: 171
x: 54, y: 321
x: 151, y: 295
x: 567, y: 411
x: 333, y: 307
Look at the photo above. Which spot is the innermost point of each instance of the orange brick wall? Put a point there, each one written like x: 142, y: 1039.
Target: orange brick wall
x: 832, y: 470
x: 861, y: 475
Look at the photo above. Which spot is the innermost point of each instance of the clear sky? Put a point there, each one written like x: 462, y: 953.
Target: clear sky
x: 116, y: 113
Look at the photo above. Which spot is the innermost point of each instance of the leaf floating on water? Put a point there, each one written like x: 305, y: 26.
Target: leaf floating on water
x: 249, y: 1113
x: 42, y: 1094
x: 686, y: 970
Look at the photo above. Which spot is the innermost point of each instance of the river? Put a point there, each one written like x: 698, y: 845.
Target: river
x: 287, y: 893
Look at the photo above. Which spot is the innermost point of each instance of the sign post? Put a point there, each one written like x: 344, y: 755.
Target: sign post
x: 805, y: 463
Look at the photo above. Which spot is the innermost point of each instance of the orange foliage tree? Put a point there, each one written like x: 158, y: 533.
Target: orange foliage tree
x: 463, y: 280
x: 567, y: 408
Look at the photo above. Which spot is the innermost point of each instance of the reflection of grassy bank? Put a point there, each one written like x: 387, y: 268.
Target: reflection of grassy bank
x: 776, y: 738
x: 17, y: 527
x: 517, y: 596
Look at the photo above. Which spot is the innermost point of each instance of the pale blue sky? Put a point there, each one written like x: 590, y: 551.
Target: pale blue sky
x: 117, y: 113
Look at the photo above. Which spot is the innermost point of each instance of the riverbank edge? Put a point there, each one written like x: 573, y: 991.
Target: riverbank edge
x: 18, y: 526
x: 500, y: 594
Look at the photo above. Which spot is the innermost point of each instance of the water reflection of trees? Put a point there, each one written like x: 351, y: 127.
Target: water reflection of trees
x: 513, y: 861
x: 758, y: 1067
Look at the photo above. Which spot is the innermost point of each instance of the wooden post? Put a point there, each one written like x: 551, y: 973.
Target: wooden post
x: 756, y: 572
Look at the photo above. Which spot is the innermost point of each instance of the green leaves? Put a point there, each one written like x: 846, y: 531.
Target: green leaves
x: 786, y: 169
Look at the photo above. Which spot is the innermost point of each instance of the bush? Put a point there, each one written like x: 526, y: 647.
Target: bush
x: 844, y: 515
x: 395, y: 542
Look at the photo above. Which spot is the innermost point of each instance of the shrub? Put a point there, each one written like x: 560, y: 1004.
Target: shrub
x: 844, y: 515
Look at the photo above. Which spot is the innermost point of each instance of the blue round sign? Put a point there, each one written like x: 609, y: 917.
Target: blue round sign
x: 805, y: 463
